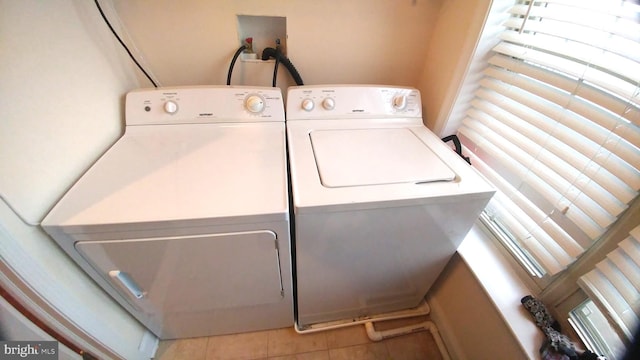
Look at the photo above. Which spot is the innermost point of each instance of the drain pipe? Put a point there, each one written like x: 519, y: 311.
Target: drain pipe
x: 375, y: 335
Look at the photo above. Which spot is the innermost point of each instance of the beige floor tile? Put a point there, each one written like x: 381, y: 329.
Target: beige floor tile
x: 287, y: 342
x: 374, y: 351
x: 314, y: 355
x: 194, y: 348
x: 244, y: 346
x: 347, y: 336
x: 417, y: 346
x: 392, y: 324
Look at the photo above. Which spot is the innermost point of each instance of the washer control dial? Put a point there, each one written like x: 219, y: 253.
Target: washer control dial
x: 400, y: 102
x: 328, y: 104
x: 307, y: 104
x: 170, y: 107
x: 254, y: 103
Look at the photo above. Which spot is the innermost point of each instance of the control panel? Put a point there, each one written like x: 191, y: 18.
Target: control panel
x: 352, y: 101
x: 203, y: 104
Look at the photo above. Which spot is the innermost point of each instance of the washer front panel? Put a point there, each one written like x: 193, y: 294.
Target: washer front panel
x: 375, y: 156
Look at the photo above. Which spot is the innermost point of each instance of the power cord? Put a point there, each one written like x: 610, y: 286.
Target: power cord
x: 104, y: 17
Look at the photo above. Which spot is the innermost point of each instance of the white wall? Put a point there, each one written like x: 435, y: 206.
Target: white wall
x: 62, y: 90
x: 454, y: 40
x: 61, y: 96
x: 471, y: 326
x: 191, y: 42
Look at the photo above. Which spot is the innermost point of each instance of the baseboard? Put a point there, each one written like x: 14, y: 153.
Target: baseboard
x: 149, y: 344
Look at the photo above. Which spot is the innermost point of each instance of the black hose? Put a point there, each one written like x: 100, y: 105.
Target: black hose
x: 458, y: 145
x: 275, y: 72
x: 279, y: 56
x: 233, y: 62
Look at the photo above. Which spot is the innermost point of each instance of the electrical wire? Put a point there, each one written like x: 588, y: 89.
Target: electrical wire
x: 233, y: 62
x: 104, y: 17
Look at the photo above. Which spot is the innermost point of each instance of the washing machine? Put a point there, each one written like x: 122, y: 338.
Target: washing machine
x: 380, y: 203
x: 185, y: 219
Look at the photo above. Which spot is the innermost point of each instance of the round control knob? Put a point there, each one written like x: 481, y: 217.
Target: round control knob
x: 307, y: 104
x: 399, y: 102
x: 171, y: 107
x: 328, y: 104
x: 254, y: 104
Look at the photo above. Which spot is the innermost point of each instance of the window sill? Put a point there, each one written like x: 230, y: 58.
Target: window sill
x: 503, y: 286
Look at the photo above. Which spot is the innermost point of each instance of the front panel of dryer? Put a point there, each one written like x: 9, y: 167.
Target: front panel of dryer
x: 182, y: 286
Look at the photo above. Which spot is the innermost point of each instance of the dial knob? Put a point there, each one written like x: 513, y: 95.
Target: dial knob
x: 171, y: 107
x: 254, y: 104
x: 328, y: 104
x: 307, y: 104
x: 399, y: 102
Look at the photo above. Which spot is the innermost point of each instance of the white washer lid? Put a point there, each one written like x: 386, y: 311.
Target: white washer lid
x: 357, y: 157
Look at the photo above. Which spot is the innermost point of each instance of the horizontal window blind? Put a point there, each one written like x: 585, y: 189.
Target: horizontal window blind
x: 614, y: 285
x: 555, y: 124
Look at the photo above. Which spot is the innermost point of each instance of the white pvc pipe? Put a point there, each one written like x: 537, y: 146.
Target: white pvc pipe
x: 375, y: 335
x: 421, y: 310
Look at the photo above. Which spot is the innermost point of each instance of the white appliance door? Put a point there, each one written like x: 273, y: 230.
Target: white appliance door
x: 357, y: 157
x: 167, y: 276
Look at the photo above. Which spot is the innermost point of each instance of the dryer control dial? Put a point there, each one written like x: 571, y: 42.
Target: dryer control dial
x: 170, y: 107
x: 307, y: 104
x: 328, y: 104
x: 400, y: 102
x: 254, y: 104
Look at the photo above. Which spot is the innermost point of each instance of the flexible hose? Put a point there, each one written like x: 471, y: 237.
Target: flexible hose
x: 458, y: 145
x: 279, y: 56
x: 233, y: 62
x: 275, y: 72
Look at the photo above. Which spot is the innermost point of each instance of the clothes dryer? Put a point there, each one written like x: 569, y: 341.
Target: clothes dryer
x: 184, y: 220
x: 380, y: 203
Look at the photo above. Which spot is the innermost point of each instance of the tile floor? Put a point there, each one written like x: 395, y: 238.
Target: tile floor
x: 350, y: 343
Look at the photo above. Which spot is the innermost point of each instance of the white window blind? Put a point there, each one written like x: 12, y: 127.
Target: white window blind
x: 555, y: 124
x: 614, y: 285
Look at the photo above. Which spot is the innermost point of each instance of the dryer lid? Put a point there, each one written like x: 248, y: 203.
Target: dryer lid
x: 357, y: 157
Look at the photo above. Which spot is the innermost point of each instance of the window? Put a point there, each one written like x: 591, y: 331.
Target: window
x: 614, y: 286
x: 553, y: 121
x: 594, y: 330
x: 555, y: 125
